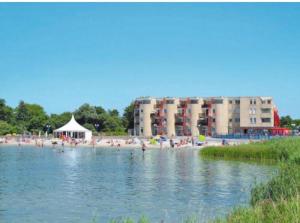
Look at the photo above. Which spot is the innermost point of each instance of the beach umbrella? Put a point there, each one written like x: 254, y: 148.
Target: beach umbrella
x: 157, y: 137
x: 201, y: 138
x: 153, y: 141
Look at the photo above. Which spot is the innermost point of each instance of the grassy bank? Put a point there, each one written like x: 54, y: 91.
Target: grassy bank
x: 279, y: 199
x: 282, y: 149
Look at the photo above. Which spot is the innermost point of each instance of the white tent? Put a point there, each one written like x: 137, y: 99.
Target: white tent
x: 74, y: 130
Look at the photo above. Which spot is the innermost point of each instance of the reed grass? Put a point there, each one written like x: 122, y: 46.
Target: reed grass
x: 277, y: 200
x: 282, y: 149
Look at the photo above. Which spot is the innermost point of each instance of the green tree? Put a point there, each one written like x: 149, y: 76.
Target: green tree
x: 113, y: 124
x: 90, y: 127
x: 6, y: 128
x: 30, y: 117
x: 6, y: 112
x: 86, y: 114
x: 286, y: 121
x: 128, y: 117
x: 113, y: 112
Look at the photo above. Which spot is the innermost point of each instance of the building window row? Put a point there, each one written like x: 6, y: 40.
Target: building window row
x: 252, y: 111
x: 253, y: 120
x: 265, y: 120
x: 266, y: 110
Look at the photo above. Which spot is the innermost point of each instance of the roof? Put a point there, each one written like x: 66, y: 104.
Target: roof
x: 72, y: 126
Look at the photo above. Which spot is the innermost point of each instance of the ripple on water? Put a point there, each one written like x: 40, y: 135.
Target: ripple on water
x: 45, y: 185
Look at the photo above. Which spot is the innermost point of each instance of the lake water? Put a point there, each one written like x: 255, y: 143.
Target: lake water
x: 86, y: 185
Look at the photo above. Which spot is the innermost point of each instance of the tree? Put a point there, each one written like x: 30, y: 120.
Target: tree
x: 22, y: 112
x: 128, y: 117
x: 113, y: 112
x: 86, y: 114
x: 6, y: 112
x: 286, y: 121
x: 6, y: 128
x: 57, y: 121
x: 30, y: 117
x: 90, y: 127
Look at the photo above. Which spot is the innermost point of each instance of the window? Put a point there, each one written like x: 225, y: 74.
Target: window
x: 146, y: 102
x: 269, y: 101
x: 252, y: 111
x: 230, y: 120
x: 170, y: 102
x: 165, y: 110
x: 253, y: 120
x: 142, y: 110
x: 230, y: 101
x: 194, y: 101
x: 265, y: 120
x: 189, y: 111
x: 251, y: 102
x: 142, y: 130
x: 237, y: 102
x: 214, y: 111
x: 218, y: 101
x: 214, y: 120
x: 237, y: 120
x: 266, y: 110
x: 254, y: 101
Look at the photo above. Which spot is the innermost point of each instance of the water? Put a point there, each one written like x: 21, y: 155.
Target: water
x: 82, y: 185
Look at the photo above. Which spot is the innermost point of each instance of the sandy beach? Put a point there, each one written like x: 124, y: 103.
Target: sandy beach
x: 116, y: 142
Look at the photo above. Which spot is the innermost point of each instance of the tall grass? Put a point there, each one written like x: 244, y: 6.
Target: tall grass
x: 282, y: 149
x: 267, y: 211
x: 279, y: 199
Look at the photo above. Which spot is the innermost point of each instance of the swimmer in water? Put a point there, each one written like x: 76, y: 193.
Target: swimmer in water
x: 143, y: 147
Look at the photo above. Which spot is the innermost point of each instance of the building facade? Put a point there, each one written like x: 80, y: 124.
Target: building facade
x: 207, y: 116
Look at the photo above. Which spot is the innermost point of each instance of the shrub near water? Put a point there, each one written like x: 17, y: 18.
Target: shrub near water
x: 279, y: 199
x: 276, y: 149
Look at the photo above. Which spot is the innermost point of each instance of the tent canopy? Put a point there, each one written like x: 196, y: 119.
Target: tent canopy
x: 74, y: 127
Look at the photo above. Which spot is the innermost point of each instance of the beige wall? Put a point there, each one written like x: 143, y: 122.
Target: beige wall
x: 196, y: 110
x: 145, y: 118
x: 170, y: 116
x: 221, y: 117
x: 249, y: 111
x: 229, y: 117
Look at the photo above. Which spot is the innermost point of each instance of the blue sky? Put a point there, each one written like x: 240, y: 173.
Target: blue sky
x: 61, y: 55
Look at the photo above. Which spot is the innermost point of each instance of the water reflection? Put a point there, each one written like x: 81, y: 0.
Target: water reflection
x: 82, y: 184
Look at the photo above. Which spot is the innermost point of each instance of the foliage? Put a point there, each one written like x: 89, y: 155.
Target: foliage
x: 6, y: 128
x: 275, y: 149
x: 128, y: 117
x: 287, y: 121
x: 6, y: 112
x: 143, y: 219
x: 32, y: 118
x: 267, y: 211
x: 283, y: 186
x: 56, y: 121
x: 278, y: 200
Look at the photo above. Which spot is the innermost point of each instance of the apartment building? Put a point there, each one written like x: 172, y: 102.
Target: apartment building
x: 208, y: 116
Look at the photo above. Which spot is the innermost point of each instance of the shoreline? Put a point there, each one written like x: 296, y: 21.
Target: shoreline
x: 117, y: 142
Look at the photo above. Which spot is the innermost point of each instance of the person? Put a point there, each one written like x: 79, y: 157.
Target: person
x: 171, y: 143
x: 143, y: 147
x: 161, y: 143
